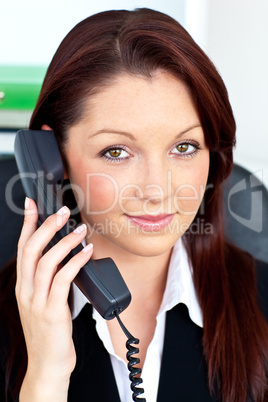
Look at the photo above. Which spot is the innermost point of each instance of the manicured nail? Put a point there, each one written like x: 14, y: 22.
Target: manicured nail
x: 63, y: 211
x: 87, y: 248
x: 80, y: 229
x: 27, y: 202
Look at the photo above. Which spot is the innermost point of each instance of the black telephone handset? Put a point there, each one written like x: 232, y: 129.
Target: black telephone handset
x: 41, y: 170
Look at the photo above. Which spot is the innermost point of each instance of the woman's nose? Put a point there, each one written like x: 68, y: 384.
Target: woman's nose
x: 154, y: 182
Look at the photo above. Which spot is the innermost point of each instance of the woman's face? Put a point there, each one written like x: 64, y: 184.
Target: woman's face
x: 139, y: 156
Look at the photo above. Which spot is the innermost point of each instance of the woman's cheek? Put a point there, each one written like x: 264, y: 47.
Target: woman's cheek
x: 101, y: 194
x: 187, y: 199
x: 188, y: 196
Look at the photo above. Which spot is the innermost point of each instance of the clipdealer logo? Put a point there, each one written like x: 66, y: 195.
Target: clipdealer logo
x: 255, y: 221
x: 247, y: 191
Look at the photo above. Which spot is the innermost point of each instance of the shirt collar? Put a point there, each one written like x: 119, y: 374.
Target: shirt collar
x: 179, y: 288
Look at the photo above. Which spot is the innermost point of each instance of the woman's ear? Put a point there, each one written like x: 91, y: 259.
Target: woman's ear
x: 46, y: 127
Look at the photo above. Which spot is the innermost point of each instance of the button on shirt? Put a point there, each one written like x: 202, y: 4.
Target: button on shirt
x: 179, y: 289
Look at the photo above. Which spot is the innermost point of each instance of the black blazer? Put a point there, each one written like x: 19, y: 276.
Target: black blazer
x: 183, y: 375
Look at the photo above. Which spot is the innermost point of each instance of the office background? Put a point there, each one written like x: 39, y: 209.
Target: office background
x: 234, y: 33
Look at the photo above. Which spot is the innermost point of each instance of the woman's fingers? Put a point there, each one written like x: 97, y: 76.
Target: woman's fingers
x: 44, y: 234
x: 48, y: 264
x: 37, y: 272
x: 28, y: 228
x: 61, y: 284
x: 33, y: 242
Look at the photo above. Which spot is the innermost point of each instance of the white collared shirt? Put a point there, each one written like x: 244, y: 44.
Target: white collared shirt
x: 179, y: 289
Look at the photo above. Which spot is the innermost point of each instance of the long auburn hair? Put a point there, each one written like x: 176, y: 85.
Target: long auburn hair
x: 140, y: 42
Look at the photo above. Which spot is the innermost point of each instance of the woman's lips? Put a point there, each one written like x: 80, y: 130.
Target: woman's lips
x: 152, y: 223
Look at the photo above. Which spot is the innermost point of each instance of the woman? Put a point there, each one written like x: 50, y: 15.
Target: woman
x: 144, y: 124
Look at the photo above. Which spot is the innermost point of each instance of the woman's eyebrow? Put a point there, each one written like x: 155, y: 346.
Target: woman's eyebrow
x: 108, y: 130
x: 131, y: 136
x: 188, y: 129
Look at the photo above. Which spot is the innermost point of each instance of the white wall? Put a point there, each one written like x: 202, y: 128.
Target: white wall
x: 33, y: 29
x: 234, y: 33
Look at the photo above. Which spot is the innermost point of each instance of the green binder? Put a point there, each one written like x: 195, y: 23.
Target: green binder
x: 20, y: 86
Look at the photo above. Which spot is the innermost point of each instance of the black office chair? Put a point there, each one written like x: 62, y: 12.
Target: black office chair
x: 246, y: 211
x: 11, y: 202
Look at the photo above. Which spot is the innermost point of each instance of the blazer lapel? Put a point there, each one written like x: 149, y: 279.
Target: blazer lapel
x: 183, y: 375
x: 93, y: 377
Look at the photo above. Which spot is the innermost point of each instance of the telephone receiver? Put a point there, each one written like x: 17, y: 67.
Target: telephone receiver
x: 41, y: 171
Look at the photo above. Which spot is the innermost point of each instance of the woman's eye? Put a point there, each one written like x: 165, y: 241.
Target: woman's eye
x: 185, y: 149
x: 115, y: 154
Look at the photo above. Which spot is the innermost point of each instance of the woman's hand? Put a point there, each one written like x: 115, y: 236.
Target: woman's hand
x: 42, y: 294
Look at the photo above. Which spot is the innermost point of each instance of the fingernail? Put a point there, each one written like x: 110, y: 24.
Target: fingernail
x: 87, y: 248
x: 63, y: 211
x: 27, y: 202
x: 80, y: 229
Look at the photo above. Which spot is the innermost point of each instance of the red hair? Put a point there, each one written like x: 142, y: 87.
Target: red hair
x: 141, y: 42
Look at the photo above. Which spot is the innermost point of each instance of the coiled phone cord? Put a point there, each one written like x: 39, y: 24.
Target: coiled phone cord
x: 134, y: 371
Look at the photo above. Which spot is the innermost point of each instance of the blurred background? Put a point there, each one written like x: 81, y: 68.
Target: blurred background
x: 234, y: 33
